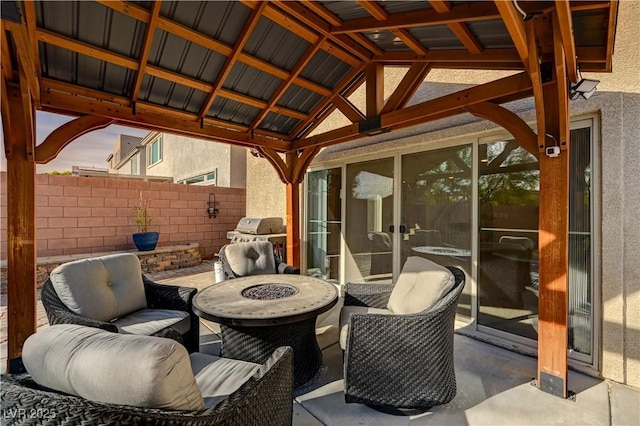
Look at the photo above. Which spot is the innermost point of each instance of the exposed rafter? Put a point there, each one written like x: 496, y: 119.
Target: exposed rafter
x: 459, y: 29
x: 146, y: 48
x: 565, y: 27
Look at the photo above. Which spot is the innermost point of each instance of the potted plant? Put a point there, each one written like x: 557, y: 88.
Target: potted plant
x: 144, y: 240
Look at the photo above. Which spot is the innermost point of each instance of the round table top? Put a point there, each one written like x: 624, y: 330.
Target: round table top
x: 260, y: 300
x: 443, y: 251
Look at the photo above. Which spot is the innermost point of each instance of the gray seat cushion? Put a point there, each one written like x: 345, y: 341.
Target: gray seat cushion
x: 344, y: 319
x: 101, y: 288
x: 114, y: 368
x: 150, y: 321
x: 219, y: 377
x: 420, y: 285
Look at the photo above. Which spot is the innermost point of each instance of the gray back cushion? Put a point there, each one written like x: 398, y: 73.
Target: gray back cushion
x: 101, y: 288
x: 142, y: 371
x: 251, y: 258
x: 420, y: 285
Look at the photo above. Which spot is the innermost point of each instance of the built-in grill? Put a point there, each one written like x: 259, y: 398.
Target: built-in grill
x: 269, y: 229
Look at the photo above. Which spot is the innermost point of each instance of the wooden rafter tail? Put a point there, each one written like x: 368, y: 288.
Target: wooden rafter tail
x: 536, y: 82
x: 67, y: 133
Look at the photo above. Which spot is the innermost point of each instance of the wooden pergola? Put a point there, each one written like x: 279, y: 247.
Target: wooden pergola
x: 265, y: 74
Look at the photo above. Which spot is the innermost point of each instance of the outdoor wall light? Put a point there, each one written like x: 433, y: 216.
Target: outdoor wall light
x: 584, y: 89
x: 212, y: 210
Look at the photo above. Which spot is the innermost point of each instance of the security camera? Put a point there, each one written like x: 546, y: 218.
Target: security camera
x: 552, y: 151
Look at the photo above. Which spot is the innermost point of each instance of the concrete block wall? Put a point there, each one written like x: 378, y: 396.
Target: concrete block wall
x: 76, y: 215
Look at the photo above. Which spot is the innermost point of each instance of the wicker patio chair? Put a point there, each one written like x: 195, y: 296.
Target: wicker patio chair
x: 264, y: 399
x: 400, y: 361
x: 158, y: 296
x: 252, y: 258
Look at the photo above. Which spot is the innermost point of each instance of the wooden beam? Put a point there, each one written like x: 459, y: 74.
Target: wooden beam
x: 242, y: 39
x: 515, y: 87
x: 146, y: 48
x: 380, y: 14
x: 280, y: 91
x: 374, y: 89
x: 6, y: 62
x: 410, y: 83
x: 302, y: 163
x: 207, y: 42
x: 21, y: 232
x: 25, y: 58
x: 67, y: 133
x: 151, y: 118
x: 29, y: 113
x: 322, y: 28
x: 29, y: 8
x: 536, y: 81
x: 471, y: 12
x: 561, y: 70
x: 513, y: 20
x: 553, y: 259
x: 460, y: 30
x: 349, y: 110
x: 565, y: 27
x: 282, y: 169
x: 611, y: 33
x: 524, y: 136
x: 324, y: 108
x: 461, y: 56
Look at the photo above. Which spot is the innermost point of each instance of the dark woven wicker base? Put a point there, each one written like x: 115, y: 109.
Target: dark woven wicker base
x: 255, y: 344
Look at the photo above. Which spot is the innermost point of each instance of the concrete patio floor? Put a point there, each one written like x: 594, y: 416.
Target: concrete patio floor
x: 493, y: 385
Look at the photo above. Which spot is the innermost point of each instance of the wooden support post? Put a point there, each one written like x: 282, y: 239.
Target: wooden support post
x: 553, y: 259
x: 21, y: 229
x: 293, y: 224
x: 375, y: 89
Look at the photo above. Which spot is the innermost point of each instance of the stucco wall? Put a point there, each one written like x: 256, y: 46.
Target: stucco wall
x: 266, y: 194
x: 184, y: 157
x: 93, y: 215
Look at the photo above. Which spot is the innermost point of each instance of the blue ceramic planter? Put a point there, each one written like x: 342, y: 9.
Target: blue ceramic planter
x: 146, y: 241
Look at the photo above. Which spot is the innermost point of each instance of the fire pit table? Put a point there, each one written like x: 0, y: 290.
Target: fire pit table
x: 259, y: 313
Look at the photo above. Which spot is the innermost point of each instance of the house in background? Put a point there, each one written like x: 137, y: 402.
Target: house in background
x: 186, y: 160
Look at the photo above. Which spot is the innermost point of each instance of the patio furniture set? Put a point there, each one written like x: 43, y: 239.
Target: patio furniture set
x: 123, y: 349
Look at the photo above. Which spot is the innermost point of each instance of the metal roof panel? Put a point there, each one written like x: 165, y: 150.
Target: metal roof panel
x: 491, y: 34
x: 251, y: 82
x: 229, y: 110
x: 220, y: 20
x: 275, y: 44
x: 279, y: 123
x: 193, y: 61
x: 325, y: 70
x: 299, y: 99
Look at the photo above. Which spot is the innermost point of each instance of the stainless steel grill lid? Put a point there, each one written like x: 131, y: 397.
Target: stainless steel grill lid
x: 260, y: 225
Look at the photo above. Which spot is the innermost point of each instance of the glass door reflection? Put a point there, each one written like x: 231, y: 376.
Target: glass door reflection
x: 436, y: 210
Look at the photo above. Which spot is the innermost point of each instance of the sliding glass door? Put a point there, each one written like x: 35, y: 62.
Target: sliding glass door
x: 472, y: 205
x: 436, y: 210
x: 369, y: 230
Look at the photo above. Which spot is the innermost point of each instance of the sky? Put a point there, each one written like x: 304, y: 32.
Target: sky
x: 90, y: 150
